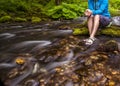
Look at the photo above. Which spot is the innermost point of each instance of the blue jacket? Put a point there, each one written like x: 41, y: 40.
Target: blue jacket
x: 99, y: 7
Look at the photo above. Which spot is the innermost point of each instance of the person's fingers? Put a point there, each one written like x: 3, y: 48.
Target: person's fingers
x: 88, y: 10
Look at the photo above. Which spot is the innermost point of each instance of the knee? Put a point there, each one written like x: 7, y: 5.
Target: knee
x: 97, y: 17
x: 90, y: 18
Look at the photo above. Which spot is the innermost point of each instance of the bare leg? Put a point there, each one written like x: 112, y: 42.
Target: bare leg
x: 95, y: 26
x: 90, y: 24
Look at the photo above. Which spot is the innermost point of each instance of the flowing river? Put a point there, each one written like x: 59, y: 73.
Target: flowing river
x: 48, y: 54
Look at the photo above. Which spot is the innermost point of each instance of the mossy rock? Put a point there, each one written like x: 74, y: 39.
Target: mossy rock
x: 35, y: 19
x: 18, y: 19
x: 110, y: 31
x: 80, y: 31
x: 5, y: 19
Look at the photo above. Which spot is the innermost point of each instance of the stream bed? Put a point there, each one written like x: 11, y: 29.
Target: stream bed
x: 47, y: 55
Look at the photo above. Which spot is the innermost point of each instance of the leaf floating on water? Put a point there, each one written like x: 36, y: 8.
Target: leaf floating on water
x: 20, y: 61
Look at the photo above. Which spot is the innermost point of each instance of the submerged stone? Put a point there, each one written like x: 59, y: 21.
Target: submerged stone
x: 109, y: 46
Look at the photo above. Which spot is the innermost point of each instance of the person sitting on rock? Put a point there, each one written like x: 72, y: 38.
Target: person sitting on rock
x: 98, y: 16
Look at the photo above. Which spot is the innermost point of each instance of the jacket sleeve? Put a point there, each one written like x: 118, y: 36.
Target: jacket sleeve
x: 90, y: 5
x: 102, y: 7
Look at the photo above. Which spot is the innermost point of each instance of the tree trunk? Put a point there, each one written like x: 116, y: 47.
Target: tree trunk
x: 57, y: 2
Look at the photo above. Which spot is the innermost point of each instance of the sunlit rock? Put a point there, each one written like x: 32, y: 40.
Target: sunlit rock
x: 116, y: 20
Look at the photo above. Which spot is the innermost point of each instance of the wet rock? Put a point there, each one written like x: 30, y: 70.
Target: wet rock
x: 49, y: 58
x: 31, y: 83
x: 109, y: 46
x: 13, y: 73
x: 69, y: 83
x: 114, y: 62
x: 64, y: 27
x: 36, y: 68
x: 97, y: 76
x: 80, y: 19
x: 43, y: 70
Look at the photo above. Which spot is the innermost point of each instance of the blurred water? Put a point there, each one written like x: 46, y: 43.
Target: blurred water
x: 47, y: 58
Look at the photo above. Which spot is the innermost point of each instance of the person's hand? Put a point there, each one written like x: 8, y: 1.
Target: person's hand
x: 88, y: 12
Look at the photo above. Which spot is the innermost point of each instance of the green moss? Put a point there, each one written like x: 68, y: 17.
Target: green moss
x: 112, y: 31
x: 18, y: 19
x: 80, y: 31
x: 35, y: 19
x: 5, y: 19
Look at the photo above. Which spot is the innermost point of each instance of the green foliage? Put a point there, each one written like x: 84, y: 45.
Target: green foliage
x: 74, y: 1
x: 2, y: 13
x: 115, y: 4
x: 114, y: 12
x: 50, y: 4
x: 13, y: 5
x: 17, y: 6
x: 21, y: 8
x: 114, y: 7
x: 66, y: 11
x: 5, y: 19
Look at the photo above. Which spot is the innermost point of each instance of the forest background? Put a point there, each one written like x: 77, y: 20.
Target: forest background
x: 43, y: 10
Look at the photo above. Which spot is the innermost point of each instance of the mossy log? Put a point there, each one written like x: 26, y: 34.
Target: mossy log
x: 111, y: 31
